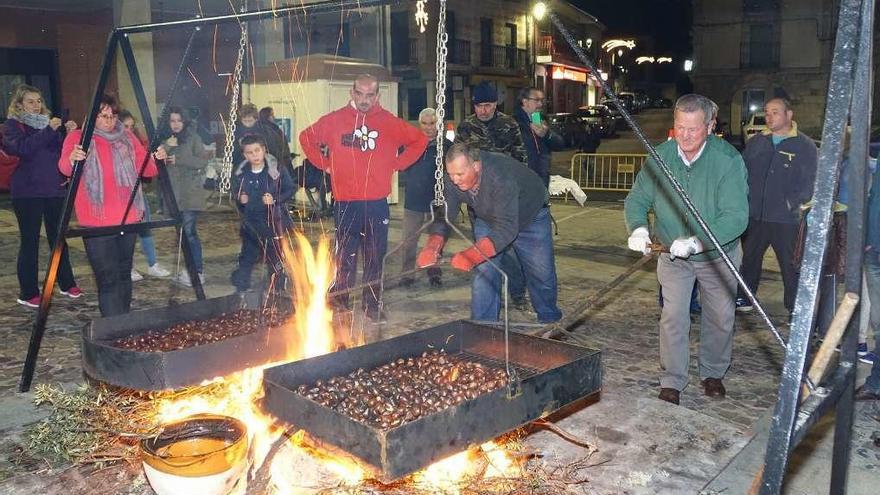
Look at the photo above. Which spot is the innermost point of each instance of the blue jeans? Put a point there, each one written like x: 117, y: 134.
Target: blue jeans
x: 872, y: 276
x: 534, y: 248
x: 148, y: 244
x: 516, y: 279
x: 189, y: 230
x: 360, y: 225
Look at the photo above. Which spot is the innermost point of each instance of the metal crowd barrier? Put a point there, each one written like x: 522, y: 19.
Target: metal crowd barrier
x: 606, y: 171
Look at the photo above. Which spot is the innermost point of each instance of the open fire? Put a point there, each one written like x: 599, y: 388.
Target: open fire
x: 309, y: 333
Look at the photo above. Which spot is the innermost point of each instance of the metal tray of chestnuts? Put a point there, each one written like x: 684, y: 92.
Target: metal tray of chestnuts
x: 185, y: 344
x: 403, y: 403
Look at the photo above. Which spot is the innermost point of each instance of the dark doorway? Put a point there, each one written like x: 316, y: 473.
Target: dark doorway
x: 510, y: 47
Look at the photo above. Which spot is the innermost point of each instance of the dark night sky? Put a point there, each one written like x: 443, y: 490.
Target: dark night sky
x: 667, y: 21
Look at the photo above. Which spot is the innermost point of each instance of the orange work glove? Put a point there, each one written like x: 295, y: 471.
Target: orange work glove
x: 429, y: 254
x: 469, y: 258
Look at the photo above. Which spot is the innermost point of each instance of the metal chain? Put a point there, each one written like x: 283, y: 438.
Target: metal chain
x: 442, y: 52
x: 226, y: 172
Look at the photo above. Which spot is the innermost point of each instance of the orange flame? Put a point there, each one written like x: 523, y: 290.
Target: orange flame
x: 311, y: 273
x: 310, y: 333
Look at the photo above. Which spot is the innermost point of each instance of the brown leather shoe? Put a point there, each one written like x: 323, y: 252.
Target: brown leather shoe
x: 864, y: 394
x: 713, y: 388
x: 669, y: 395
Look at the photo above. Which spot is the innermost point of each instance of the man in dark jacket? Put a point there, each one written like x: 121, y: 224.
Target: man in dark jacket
x: 418, y: 194
x: 261, y: 189
x: 781, y: 162
x: 510, y: 209
x: 490, y: 130
x: 537, y: 136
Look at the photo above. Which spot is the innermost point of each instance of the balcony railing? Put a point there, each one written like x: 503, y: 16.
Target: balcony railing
x: 503, y: 57
x: 558, y: 50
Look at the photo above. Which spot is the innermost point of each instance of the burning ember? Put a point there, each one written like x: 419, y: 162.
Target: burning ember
x: 487, y: 466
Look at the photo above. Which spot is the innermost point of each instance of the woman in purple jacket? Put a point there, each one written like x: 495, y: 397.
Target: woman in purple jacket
x: 37, y: 187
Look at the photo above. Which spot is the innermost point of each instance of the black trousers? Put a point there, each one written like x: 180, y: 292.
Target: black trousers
x: 111, y: 259
x: 31, y: 214
x: 782, y: 238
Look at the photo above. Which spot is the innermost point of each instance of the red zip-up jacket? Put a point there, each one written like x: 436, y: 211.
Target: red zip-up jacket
x: 362, y: 150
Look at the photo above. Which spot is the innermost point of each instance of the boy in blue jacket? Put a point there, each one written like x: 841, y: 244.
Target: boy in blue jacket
x: 261, y: 190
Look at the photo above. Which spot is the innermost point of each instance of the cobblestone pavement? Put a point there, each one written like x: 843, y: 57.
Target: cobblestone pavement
x: 590, y: 250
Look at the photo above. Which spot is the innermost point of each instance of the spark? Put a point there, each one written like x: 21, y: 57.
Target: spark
x: 194, y: 78
x: 214, y: 49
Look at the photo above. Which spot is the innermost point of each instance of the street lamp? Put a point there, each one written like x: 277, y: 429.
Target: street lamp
x: 539, y: 10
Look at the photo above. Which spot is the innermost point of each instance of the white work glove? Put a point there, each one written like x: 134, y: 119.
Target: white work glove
x: 683, y: 248
x: 640, y: 240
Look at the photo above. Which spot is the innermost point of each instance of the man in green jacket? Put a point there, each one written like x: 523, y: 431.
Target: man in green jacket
x: 714, y: 177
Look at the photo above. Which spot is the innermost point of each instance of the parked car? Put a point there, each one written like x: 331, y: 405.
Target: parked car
x: 662, y: 103
x: 600, y: 117
x: 569, y: 126
x: 617, y: 117
x: 626, y: 99
x: 631, y: 100
x: 642, y: 100
x: 756, y: 123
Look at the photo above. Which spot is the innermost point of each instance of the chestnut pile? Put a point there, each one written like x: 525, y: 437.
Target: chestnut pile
x: 200, y: 332
x: 405, y: 389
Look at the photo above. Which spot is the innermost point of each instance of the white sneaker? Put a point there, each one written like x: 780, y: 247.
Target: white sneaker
x: 157, y: 271
x: 136, y: 276
x: 183, y: 279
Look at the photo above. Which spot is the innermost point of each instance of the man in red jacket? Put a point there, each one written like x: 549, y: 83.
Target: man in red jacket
x: 361, y: 145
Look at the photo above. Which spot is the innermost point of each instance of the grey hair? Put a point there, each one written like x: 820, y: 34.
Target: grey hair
x: 463, y: 149
x: 693, y: 102
x: 427, y: 112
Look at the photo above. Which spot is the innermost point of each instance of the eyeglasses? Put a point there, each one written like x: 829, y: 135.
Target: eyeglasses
x: 107, y: 117
x: 540, y: 100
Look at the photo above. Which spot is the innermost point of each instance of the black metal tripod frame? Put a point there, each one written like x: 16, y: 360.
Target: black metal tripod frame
x: 119, y: 39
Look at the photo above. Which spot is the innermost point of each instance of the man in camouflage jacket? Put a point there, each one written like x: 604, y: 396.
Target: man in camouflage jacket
x: 490, y: 130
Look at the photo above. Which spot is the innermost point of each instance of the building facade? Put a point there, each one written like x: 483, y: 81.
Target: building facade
x: 748, y: 51
x: 567, y: 82
x: 493, y: 40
